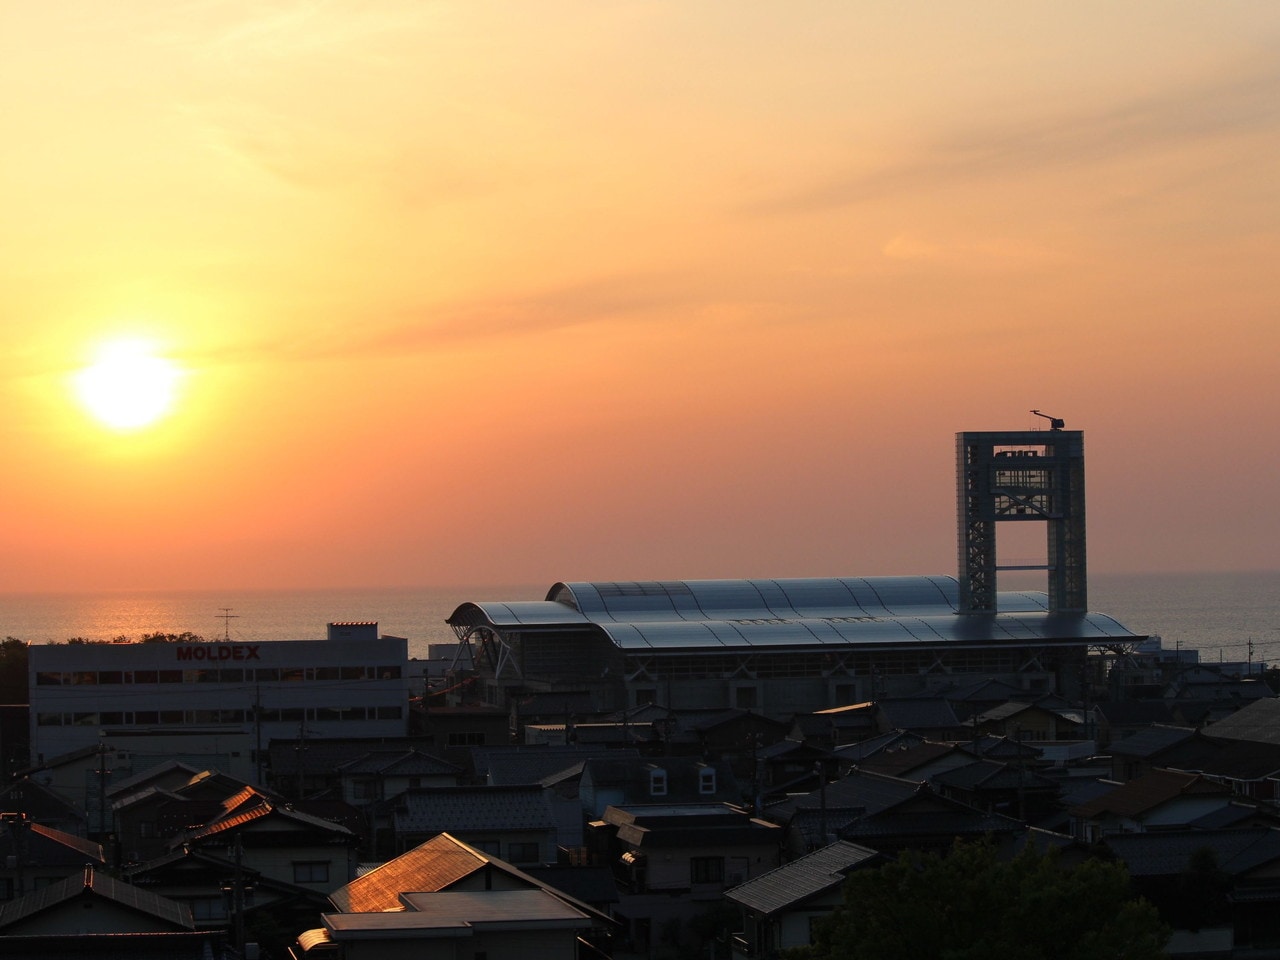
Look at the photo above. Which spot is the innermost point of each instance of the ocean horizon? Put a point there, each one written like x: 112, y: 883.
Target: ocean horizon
x: 1222, y: 615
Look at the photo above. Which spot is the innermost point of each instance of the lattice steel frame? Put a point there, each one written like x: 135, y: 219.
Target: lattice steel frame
x: 1021, y: 476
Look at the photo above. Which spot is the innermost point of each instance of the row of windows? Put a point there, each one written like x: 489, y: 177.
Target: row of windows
x: 149, y: 718
x: 856, y: 663
x: 75, y: 678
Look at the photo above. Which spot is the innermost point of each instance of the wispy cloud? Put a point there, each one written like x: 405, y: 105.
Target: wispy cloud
x: 1238, y: 103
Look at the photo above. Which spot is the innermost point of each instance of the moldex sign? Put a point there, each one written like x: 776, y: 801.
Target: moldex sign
x: 219, y: 651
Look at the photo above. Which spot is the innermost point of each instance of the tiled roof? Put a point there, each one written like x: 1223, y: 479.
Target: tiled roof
x: 912, y: 714
x: 262, y: 812
x: 47, y: 846
x: 401, y: 763
x: 435, y: 865
x: 101, y: 885
x: 1151, y: 741
x: 465, y: 809
x: 1166, y: 853
x: 860, y: 751
x: 631, y: 776
x: 897, y: 762
x: 988, y: 775
x: 535, y: 764
x: 159, y: 771
x: 1146, y: 793
x: 1259, y: 722
x: 802, y: 878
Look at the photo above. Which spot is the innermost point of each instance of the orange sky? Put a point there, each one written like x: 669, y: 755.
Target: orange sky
x: 494, y: 292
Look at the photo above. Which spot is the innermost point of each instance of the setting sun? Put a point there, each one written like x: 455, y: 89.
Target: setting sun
x: 128, y: 386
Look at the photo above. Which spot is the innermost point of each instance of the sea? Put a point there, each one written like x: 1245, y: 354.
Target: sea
x: 1226, y: 617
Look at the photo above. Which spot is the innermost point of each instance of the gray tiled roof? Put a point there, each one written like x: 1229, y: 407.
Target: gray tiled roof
x: 913, y: 714
x: 1149, y: 742
x: 1166, y: 853
x: 177, y: 915
x: 467, y: 809
x: 805, y: 877
x: 1258, y: 722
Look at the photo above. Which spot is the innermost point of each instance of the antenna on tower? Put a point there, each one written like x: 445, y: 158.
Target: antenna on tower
x: 226, y: 616
x: 1054, y: 422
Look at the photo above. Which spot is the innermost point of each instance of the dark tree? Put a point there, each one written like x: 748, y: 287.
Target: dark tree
x: 970, y: 905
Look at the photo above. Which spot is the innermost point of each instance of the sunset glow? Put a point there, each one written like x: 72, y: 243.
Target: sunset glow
x: 127, y: 387
x: 505, y: 292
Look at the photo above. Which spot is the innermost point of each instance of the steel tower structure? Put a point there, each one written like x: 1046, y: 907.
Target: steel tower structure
x: 1021, y: 476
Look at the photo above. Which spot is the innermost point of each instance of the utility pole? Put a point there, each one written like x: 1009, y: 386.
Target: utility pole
x: 257, y: 730
x: 226, y: 616
x: 300, y: 750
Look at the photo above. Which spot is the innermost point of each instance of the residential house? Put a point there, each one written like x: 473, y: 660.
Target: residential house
x: 1218, y: 888
x: 492, y: 924
x: 412, y: 883
x: 1034, y: 721
x: 1008, y: 788
x: 779, y: 907
x: 42, y: 804
x: 675, y: 860
x: 33, y: 856
x: 889, y: 814
x: 450, y: 731
x: 150, y: 810
x: 608, y: 781
x: 978, y: 696
x: 309, y: 766
x: 383, y: 774
x: 828, y: 729
x: 1255, y: 722
x: 933, y: 718
x: 91, y: 914
x: 281, y: 842
x: 1114, y: 720
x: 205, y: 882
x: 1147, y: 749
x: 1161, y: 799
x: 791, y: 765
x: 515, y: 823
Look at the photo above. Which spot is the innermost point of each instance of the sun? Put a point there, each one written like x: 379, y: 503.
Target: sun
x: 128, y: 386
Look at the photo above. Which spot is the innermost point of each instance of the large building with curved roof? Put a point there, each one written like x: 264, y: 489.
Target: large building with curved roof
x: 799, y: 645
x: 778, y: 646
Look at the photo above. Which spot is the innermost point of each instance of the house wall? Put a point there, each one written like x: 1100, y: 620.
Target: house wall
x: 670, y: 868
x: 277, y: 862
x: 794, y: 928
x: 505, y: 945
x: 87, y: 913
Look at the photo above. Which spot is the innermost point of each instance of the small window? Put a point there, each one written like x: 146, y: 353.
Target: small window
x: 311, y: 871
x: 706, y: 869
x: 522, y: 852
x: 207, y: 908
x: 707, y: 780
x: 657, y: 783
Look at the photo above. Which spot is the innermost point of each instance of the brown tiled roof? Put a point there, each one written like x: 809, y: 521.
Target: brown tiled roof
x: 429, y: 867
x: 1147, y: 792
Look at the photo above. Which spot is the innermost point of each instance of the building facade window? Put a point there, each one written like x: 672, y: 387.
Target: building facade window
x: 657, y: 782
x: 707, y: 781
x: 522, y: 852
x: 706, y: 869
x: 311, y: 871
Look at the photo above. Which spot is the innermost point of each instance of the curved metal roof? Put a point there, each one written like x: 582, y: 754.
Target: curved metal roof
x: 675, y: 615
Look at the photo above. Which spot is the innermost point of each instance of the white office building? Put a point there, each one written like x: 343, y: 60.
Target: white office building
x: 353, y: 684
